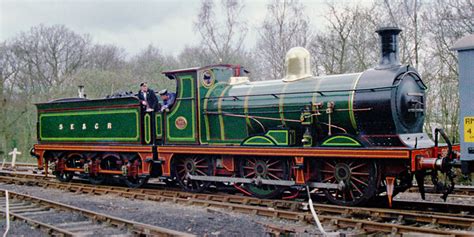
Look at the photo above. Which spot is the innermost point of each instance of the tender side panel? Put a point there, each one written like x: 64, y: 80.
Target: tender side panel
x: 95, y: 125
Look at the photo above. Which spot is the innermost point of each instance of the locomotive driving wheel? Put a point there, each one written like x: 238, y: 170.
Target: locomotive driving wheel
x: 357, y: 180
x: 194, y: 165
x: 264, y: 168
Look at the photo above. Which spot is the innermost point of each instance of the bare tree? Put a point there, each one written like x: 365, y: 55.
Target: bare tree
x: 148, y: 65
x: 406, y: 15
x: 47, y: 56
x: 222, y: 40
x: 105, y: 57
x: 448, y: 21
x: 194, y: 56
x: 285, y: 26
x: 7, y: 71
x: 349, y: 42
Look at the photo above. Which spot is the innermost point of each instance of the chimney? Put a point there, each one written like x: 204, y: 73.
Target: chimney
x: 80, y: 91
x: 389, y: 47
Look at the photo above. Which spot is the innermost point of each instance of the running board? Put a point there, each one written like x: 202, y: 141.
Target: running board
x: 259, y: 181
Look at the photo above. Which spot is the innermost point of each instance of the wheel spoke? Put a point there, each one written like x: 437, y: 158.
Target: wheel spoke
x: 356, y: 188
x: 198, y: 161
x: 268, y: 165
x: 252, y: 163
x: 275, y: 170
x: 251, y: 173
x: 332, y: 166
x: 351, y: 194
x: 326, y: 171
x: 274, y: 176
x: 360, y: 181
x: 360, y: 174
x: 199, y: 171
x: 357, y: 166
x: 328, y: 178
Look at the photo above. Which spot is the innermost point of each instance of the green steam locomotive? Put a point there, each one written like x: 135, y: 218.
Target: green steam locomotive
x: 352, y: 136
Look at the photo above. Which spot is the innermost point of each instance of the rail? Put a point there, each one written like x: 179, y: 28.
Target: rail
x: 367, y: 219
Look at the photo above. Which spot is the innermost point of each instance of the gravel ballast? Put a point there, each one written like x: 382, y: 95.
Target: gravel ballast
x: 191, y: 219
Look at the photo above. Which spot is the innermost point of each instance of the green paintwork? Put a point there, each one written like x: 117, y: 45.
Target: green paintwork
x: 281, y: 137
x: 230, y: 114
x: 278, y: 137
x: 147, y: 128
x: 185, y: 106
x: 103, y: 125
x: 259, y: 141
x: 159, y: 125
x: 280, y: 101
x: 218, y: 128
x: 341, y: 141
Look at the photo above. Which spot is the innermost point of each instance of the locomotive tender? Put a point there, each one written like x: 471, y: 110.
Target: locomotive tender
x: 353, y: 136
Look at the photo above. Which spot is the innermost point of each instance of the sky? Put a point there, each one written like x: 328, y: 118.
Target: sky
x: 130, y: 24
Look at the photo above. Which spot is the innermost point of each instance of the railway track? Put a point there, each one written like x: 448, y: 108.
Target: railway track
x: 363, y: 220
x: 20, y: 166
x: 34, y: 210
x: 427, y: 206
x: 459, y: 190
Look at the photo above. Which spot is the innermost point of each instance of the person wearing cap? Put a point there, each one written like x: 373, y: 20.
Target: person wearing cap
x: 148, y: 98
x: 168, y: 99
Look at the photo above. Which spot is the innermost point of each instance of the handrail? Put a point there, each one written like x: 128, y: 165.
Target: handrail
x: 275, y: 95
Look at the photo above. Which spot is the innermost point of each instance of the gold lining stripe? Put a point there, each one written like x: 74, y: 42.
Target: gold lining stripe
x: 219, y: 111
x: 177, y: 107
x: 281, y: 105
x: 316, y: 88
x: 206, y: 117
x: 351, y: 103
x: 198, y: 99
x: 246, y: 109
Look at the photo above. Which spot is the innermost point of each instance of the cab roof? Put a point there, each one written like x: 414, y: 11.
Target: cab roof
x: 193, y: 69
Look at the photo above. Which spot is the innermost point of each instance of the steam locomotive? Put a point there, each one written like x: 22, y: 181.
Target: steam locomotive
x: 351, y: 136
